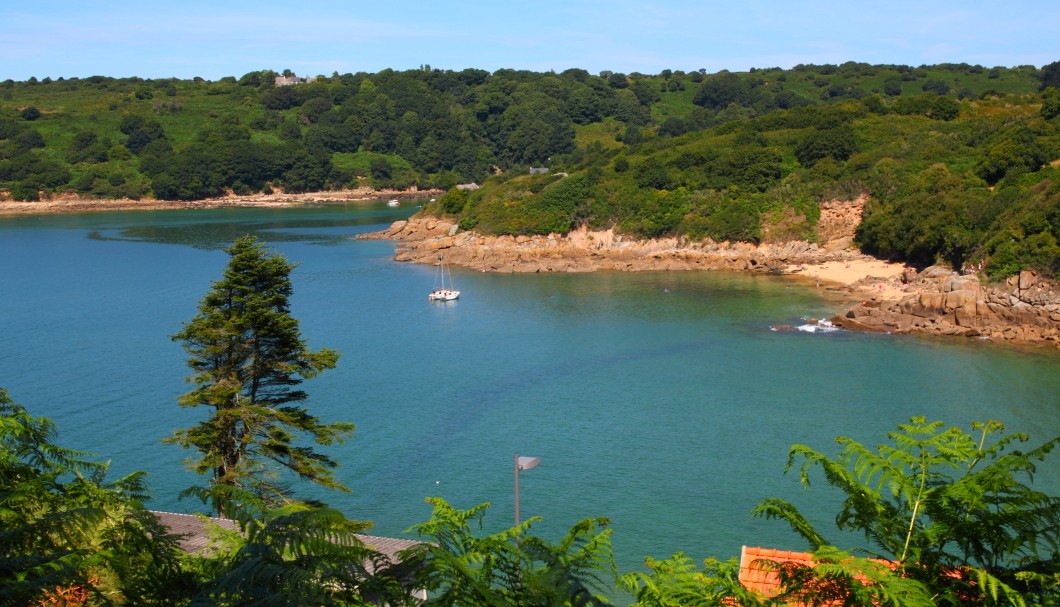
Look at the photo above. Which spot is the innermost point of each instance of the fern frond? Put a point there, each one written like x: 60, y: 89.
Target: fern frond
x: 776, y: 508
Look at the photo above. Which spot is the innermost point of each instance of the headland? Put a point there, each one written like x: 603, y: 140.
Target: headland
x: 879, y: 296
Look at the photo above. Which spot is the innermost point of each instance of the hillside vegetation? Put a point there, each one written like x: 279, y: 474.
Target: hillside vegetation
x: 958, y: 162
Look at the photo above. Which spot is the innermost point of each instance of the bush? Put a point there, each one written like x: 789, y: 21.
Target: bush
x: 652, y: 174
x: 25, y: 191
x: 1050, y: 103
x: 1017, y: 149
x: 944, y: 108
x: 453, y: 201
x: 936, y: 86
x: 838, y: 143
x: 723, y: 217
x: 1012, y: 253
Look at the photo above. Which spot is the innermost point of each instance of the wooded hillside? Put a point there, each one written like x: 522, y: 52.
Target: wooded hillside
x: 958, y: 161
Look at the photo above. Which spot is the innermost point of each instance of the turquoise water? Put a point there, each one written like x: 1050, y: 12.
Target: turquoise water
x: 660, y: 400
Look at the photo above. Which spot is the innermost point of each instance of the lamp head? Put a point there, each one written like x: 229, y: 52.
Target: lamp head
x: 526, y: 463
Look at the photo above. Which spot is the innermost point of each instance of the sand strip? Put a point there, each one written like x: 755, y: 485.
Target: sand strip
x: 856, y: 271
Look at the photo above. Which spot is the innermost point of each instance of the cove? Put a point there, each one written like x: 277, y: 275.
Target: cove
x: 660, y: 400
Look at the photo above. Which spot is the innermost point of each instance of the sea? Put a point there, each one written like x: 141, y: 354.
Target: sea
x: 663, y: 401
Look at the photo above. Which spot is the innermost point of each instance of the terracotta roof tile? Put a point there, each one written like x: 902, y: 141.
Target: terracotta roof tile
x: 763, y: 579
x: 759, y: 577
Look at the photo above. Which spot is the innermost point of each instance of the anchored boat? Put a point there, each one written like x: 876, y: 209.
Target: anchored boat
x: 443, y: 292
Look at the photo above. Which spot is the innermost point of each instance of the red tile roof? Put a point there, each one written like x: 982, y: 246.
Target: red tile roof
x: 761, y: 577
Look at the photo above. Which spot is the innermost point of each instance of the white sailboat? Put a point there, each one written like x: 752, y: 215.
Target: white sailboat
x: 442, y: 292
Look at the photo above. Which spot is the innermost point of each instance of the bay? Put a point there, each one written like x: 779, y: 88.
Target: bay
x: 662, y: 401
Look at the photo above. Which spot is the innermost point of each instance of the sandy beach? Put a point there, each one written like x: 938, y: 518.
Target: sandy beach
x: 879, y: 278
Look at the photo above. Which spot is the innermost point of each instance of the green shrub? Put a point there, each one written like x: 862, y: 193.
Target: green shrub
x: 1012, y: 253
x: 453, y: 201
x: 25, y: 191
x: 837, y: 143
x: 659, y: 214
x: 723, y: 217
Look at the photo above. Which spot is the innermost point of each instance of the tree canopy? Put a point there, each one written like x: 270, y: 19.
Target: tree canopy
x: 734, y: 141
x: 248, y: 359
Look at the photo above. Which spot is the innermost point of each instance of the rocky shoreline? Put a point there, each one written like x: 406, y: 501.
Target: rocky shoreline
x: 936, y: 301
x: 1025, y: 309
x: 424, y: 239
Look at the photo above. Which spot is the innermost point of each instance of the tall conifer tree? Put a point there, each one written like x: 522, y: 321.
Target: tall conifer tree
x: 248, y: 359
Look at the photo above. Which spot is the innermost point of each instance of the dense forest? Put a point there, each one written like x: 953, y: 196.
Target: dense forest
x: 958, y: 162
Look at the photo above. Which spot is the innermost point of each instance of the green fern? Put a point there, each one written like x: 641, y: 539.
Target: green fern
x: 512, y: 567
x: 63, y: 525
x: 677, y: 582
x: 952, y: 510
x: 298, y: 554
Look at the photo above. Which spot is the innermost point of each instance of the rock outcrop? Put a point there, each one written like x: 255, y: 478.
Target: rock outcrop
x: 1025, y: 308
x: 426, y: 239
x: 839, y: 219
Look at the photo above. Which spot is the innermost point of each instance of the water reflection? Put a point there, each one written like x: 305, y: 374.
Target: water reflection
x: 218, y: 228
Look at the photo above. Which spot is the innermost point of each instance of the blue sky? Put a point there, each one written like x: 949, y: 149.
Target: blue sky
x: 232, y: 37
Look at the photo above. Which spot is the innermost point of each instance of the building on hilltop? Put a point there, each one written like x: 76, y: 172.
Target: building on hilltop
x: 294, y: 79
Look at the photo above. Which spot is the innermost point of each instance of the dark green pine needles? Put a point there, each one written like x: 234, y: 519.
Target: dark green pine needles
x: 248, y: 359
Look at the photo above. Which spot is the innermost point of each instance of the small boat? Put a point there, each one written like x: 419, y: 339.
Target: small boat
x: 393, y: 203
x: 442, y: 292
x: 443, y: 295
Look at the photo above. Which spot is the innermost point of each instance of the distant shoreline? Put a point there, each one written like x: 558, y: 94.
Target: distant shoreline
x: 77, y: 204
x: 894, y: 299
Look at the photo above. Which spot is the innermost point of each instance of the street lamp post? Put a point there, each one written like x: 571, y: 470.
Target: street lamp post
x: 522, y: 463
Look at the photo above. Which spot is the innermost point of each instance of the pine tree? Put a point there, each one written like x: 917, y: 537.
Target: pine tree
x: 248, y: 359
